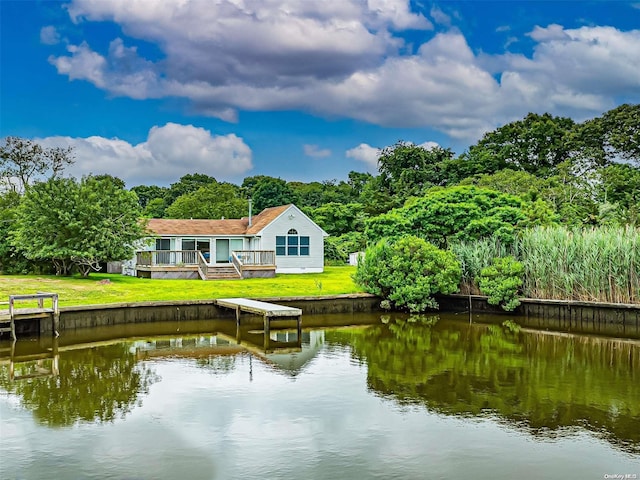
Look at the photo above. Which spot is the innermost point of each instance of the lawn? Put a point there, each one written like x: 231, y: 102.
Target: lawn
x: 113, y: 288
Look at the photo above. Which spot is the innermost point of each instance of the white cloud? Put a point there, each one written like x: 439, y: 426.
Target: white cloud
x: 344, y: 60
x: 365, y: 153
x: 169, y: 152
x: 49, y: 35
x: 550, y: 33
x: 429, y: 145
x: 315, y: 151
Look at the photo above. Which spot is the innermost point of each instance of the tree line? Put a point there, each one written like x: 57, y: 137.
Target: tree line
x: 540, y: 170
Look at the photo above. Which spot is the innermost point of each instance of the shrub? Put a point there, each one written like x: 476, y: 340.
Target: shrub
x: 501, y: 282
x: 408, y: 272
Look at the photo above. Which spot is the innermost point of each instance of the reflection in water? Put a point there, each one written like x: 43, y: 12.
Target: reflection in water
x: 91, y: 384
x: 539, y: 381
x: 335, y: 400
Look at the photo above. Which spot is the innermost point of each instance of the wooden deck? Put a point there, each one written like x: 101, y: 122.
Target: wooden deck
x: 269, y: 311
x: 13, y: 314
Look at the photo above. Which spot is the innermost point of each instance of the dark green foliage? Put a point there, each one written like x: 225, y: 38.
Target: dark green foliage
x: 462, y: 213
x: 187, y: 184
x: 147, y: 193
x: 216, y: 200
x: 501, y: 282
x: 268, y: 192
x: 408, y: 170
x: 536, y: 144
x: 408, y: 272
x: 339, y: 218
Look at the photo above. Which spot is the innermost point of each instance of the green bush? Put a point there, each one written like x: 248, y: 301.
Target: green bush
x: 408, y: 272
x: 501, y: 282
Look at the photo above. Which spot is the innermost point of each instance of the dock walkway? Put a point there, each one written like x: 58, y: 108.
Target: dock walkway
x: 10, y: 316
x: 269, y: 311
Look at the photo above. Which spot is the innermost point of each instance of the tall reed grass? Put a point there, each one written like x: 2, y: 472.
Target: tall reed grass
x: 596, y: 264
x: 473, y: 257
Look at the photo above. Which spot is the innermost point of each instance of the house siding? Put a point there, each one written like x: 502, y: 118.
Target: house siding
x: 294, y: 218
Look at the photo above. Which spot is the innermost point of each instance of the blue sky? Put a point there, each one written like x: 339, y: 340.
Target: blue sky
x: 298, y: 89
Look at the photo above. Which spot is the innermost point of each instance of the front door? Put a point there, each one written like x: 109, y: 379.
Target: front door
x: 222, y: 250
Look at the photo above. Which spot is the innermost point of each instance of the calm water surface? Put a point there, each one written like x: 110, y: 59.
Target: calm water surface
x: 422, y: 398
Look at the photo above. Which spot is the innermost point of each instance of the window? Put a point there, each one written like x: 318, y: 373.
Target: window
x: 304, y: 246
x: 281, y: 243
x: 292, y: 245
x: 163, y: 244
x: 188, y: 244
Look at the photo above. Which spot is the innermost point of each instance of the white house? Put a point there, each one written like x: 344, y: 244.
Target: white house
x: 277, y: 240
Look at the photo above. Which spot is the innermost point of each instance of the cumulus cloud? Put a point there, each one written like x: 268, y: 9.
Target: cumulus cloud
x: 315, y: 151
x: 346, y: 60
x: 550, y: 33
x: 365, y: 153
x: 49, y: 35
x: 168, y: 153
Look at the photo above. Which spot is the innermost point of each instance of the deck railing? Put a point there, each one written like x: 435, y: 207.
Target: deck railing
x: 152, y: 258
x: 167, y: 257
x: 255, y: 257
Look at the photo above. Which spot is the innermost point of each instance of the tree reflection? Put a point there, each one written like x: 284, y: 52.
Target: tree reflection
x: 94, y: 384
x: 538, y: 381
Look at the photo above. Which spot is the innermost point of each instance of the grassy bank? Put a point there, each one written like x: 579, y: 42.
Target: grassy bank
x: 105, y: 288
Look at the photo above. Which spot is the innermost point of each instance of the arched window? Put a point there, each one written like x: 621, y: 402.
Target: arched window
x: 292, y: 244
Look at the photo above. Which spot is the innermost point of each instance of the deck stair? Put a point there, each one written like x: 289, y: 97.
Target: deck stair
x: 222, y: 273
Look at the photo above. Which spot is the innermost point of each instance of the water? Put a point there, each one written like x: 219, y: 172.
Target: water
x: 422, y: 398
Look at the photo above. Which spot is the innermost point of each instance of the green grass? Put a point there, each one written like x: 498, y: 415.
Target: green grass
x: 123, y: 289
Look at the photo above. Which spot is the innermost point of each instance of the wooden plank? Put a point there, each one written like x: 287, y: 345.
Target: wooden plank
x: 259, y: 308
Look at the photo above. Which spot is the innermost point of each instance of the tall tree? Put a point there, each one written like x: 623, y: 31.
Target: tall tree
x: 187, y: 184
x: 216, y: 200
x: 409, y: 170
x: 78, y: 224
x: 23, y: 160
x: 536, y: 144
x: 271, y: 192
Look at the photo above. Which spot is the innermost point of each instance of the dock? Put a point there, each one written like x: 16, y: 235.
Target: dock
x: 9, y: 317
x: 268, y: 311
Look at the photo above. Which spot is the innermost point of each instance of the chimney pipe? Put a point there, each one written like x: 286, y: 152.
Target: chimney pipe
x: 250, y: 202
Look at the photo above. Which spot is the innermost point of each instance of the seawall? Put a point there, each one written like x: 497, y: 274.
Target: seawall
x: 617, y: 320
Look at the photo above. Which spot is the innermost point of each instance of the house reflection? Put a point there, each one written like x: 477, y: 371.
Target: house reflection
x: 283, y: 350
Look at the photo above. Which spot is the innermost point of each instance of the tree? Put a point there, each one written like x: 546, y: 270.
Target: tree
x: 620, y: 185
x: 339, y: 218
x: 187, y: 184
x: 216, y: 200
x: 78, y: 224
x: 270, y: 192
x: 147, y: 193
x: 462, y: 213
x: 23, y: 160
x: 408, y: 272
x: 612, y: 137
x: 536, y: 144
x: 408, y: 170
